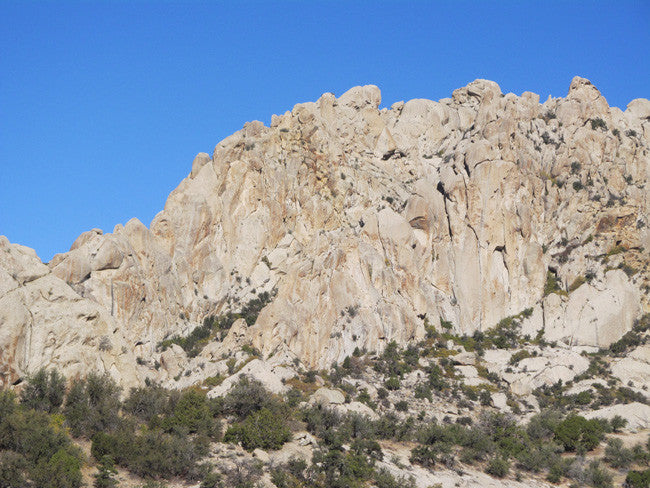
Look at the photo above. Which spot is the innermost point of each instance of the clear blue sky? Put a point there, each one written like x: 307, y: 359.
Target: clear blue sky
x: 104, y: 105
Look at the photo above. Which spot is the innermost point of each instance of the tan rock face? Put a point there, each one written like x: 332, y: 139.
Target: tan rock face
x: 44, y: 322
x: 368, y: 221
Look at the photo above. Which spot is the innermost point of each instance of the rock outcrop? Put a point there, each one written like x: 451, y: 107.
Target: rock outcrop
x: 367, y: 224
x: 45, y: 323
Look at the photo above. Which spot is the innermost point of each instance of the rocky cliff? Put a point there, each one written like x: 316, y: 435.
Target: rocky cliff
x: 364, y: 225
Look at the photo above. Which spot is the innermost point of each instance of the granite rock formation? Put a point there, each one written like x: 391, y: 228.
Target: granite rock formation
x: 365, y: 224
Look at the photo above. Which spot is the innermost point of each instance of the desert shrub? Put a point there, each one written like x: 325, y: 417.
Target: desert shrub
x: 485, y: 398
x: 597, y: 476
x: 541, y: 427
x: 518, y: 356
x: 211, y: 480
x: 13, y: 467
x: 390, y: 362
x: 323, y: 423
x: 617, y: 456
x: 62, y: 470
x: 576, y: 433
x: 498, y: 467
x: 104, y: 444
x: 246, y: 397
x: 148, y: 401
x: 392, y: 383
x: 557, y: 469
x: 401, y: 406
x: 44, y: 391
x: 293, y: 397
x: 426, y: 456
x: 343, y: 470
x: 34, y: 446
x: 632, y: 338
x: 352, y: 366
x: 105, y: 476
x: 193, y: 343
x: 578, y: 282
x: 192, y: 413
x: 156, y: 453
x: 243, y: 475
x: 505, y: 335
x: 290, y: 475
x: 263, y: 429
x: 554, y: 397
x: 363, y: 396
x: 367, y: 447
x: 282, y: 479
x: 598, y: 123
x: 552, y: 284
x: 92, y: 405
x: 119, y: 443
x: 411, y: 355
x: 423, y: 391
x: 617, y: 422
x: 383, y: 479
x: 436, y: 378
x: 534, y: 458
x: 638, y: 479
x: 504, y: 432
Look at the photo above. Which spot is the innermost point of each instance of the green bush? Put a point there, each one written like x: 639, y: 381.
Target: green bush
x: 192, y: 413
x: 541, y: 427
x: 598, y: 123
x: 158, y: 454
x: 148, y: 451
x: 552, y: 284
x: 402, y: 406
x: 534, y: 459
x: 383, y: 479
x: 638, y: 479
x: 576, y: 433
x: 617, y: 422
x: 518, y: 356
x: 246, y: 397
x: 44, y: 391
x: 62, y: 470
x: 344, y: 470
x: 392, y: 383
x: 34, y: 446
x: 13, y: 467
x: 423, y: 391
x: 597, y: 476
x: 498, y: 467
x: 148, y: 401
x: 92, y: 405
x: 426, y: 456
x: 105, y: 476
x: 617, y: 456
x: 263, y: 429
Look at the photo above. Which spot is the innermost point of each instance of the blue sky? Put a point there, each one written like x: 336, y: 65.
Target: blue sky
x: 104, y: 105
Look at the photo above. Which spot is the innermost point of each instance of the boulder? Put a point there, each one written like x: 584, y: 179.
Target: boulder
x: 637, y: 414
x: 327, y: 396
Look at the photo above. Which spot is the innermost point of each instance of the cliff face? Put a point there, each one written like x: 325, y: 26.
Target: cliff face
x: 365, y: 224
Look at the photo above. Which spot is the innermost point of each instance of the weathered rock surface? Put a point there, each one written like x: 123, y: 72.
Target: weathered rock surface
x: 366, y: 222
x: 637, y: 414
x: 44, y: 322
x: 634, y: 370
